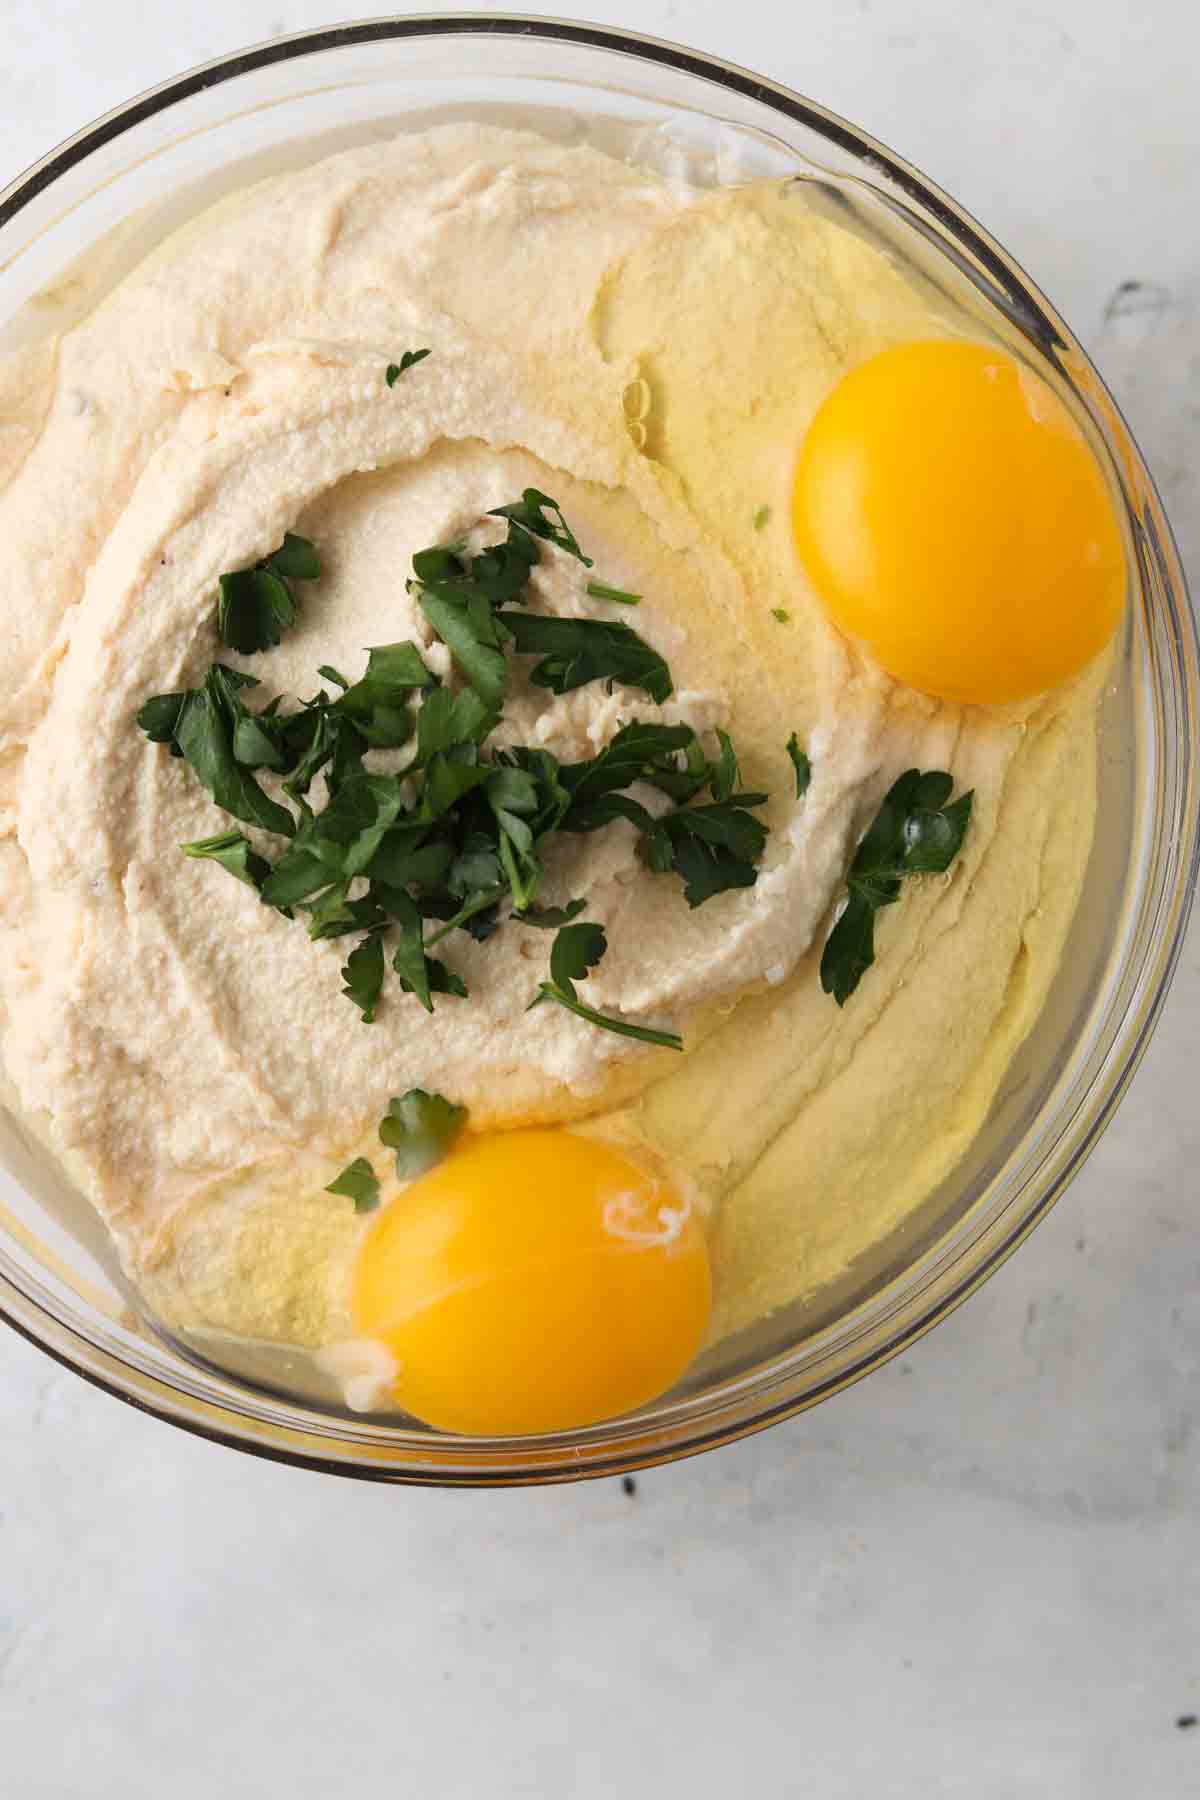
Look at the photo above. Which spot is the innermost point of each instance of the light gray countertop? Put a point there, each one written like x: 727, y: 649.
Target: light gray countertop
x: 977, y: 1573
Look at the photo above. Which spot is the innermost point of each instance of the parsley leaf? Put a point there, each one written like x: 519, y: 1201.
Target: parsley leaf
x: 529, y: 512
x: 915, y: 832
x: 407, y: 361
x: 204, y: 736
x: 713, y: 848
x: 548, y: 918
x: 233, y: 850
x: 363, y: 976
x: 339, y: 842
x: 378, y: 704
x: 401, y: 858
x: 447, y: 720
x: 255, y: 606
x: 514, y: 797
x: 478, y: 915
x: 332, y: 744
x: 159, y: 717
x: 254, y: 609
x: 359, y: 1182
x: 295, y: 560
x: 577, y: 651
x: 628, y: 757
x: 576, y: 950
x: 467, y: 627
x: 419, y: 974
x: 681, y: 784
x: 801, y: 765
x: 420, y: 1128
x: 492, y: 578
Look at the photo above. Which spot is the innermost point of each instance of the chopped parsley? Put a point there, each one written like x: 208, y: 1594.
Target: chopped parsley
x: 600, y: 590
x: 711, y: 847
x: 359, y: 1182
x: 549, y: 918
x: 542, y: 517
x: 454, y: 839
x: 576, y: 651
x: 395, y: 370
x: 915, y: 832
x: 801, y: 765
x: 779, y: 613
x: 421, y: 1128
x: 577, y: 949
x: 206, y: 734
x: 761, y: 517
x: 256, y: 606
x: 363, y: 974
x: 234, y: 851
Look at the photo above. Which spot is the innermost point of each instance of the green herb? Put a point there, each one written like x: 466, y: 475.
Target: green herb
x: 233, y: 850
x: 801, y: 765
x: 632, y: 755
x: 363, y: 976
x: 681, y: 782
x: 530, y: 513
x: 600, y: 590
x: 761, y: 517
x: 255, y: 606
x: 549, y: 918
x: 295, y: 560
x: 419, y: 974
x: 725, y: 773
x: 577, y: 949
x: 577, y: 651
x: 421, y: 1129
x: 340, y: 842
x: 713, y: 848
x: 447, y: 720
x: 915, y: 832
x: 378, y: 705
x: 492, y: 578
x: 323, y: 741
x: 777, y: 612
x: 159, y: 717
x: 467, y: 627
x: 478, y: 915
x: 359, y: 1182
x: 204, y: 737
x: 460, y: 831
x: 409, y: 358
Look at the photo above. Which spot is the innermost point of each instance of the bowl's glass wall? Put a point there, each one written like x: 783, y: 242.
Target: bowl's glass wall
x: 147, y: 168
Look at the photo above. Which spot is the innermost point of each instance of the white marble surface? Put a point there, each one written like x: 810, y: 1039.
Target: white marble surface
x: 978, y: 1573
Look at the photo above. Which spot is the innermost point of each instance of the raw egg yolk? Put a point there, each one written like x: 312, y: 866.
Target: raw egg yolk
x: 952, y: 516
x: 534, y: 1281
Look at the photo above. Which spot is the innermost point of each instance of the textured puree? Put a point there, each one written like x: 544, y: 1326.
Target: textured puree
x: 197, y: 1063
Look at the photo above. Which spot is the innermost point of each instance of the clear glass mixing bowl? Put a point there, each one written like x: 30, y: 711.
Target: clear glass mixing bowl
x: 150, y: 164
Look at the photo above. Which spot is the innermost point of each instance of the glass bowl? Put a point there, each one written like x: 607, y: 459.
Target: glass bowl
x: 120, y: 184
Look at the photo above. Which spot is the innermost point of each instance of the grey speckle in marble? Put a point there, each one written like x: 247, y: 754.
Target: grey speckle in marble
x: 975, y: 1575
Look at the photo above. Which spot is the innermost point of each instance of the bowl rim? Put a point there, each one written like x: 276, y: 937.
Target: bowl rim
x: 41, y: 1324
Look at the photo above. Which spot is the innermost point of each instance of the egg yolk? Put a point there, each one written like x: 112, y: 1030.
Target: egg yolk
x: 535, y: 1280
x: 952, y: 516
